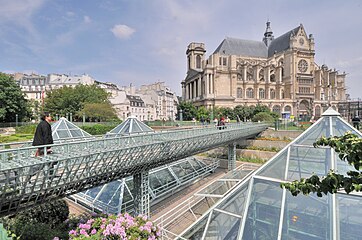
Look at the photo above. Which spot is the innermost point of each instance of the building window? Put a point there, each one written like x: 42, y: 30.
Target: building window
x: 250, y: 73
x: 304, y: 90
x: 261, y: 75
x: 249, y: 93
x: 276, y: 109
x: 261, y: 93
x: 222, y: 61
x: 239, y: 93
x: 272, y: 94
x: 282, y: 94
x: 198, y: 61
x: 287, y: 109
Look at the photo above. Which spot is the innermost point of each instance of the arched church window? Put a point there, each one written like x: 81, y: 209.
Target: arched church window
x: 249, y: 93
x: 198, y: 61
x: 239, y: 93
x: 261, y: 93
x: 272, y: 76
x: 272, y: 94
x: 276, y: 109
x: 261, y: 75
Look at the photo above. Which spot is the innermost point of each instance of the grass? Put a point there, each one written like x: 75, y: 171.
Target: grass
x: 284, y: 139
x: 18, y: 137
x: 251, y: 160
x: 267, y: 149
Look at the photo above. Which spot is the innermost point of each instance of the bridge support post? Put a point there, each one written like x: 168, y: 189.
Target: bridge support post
x: 140, y: 193
x: 232, y: 156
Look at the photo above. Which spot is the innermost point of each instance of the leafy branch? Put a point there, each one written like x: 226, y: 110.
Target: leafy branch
x: 349, y: 149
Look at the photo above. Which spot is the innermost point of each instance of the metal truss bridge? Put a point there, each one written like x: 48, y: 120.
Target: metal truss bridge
x: 77, y: 165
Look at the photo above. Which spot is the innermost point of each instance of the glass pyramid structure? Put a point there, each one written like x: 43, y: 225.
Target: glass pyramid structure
x: 258, y: 208
x: 65, y: 130
x: 130, y: 126
x: 117, y: 196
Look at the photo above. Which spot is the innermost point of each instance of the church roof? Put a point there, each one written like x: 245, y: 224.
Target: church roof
x: 250, y: 48
x: 281, y: 43
x: 191, y: 74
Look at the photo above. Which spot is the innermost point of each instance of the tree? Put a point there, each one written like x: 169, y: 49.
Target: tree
x: 202, y: 112
x: 349, y: 148
x: 12, y: 100
x: 189, y: 111
x: 72, y: 100
x: 99, y: 111
x: 263, y: 117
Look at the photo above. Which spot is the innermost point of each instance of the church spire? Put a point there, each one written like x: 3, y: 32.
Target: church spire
x: 268, y: 35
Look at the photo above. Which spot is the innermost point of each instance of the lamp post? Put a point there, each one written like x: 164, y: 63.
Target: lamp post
x: 83, y: 118
x: 16, y: 119
x: 56, y: 117
x: 71, y: 117
x: 181, y: 117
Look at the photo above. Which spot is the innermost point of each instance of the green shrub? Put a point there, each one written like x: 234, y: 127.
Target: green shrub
x: 45, y: 221
x: 27, y: 129
x: 98, y: 129
x: 263, y: 117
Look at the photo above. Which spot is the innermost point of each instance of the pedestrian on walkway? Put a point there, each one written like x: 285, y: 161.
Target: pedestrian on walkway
x: 43, y: 134
x: 356, y: 121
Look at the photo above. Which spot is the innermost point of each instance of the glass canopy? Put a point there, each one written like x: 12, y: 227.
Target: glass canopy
x: 258, y: 208
x: 63, y: 129
x: 117, y: 196
x: 129, y: 126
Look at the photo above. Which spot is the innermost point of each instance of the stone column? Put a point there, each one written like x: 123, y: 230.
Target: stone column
x: 140, y: 193
x: 232, y: 156
x: 187, y: 94
x: 199, y: 81
x: 207, y: 84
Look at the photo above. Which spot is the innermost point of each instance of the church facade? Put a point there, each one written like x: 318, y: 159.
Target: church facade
x: 276, y: 72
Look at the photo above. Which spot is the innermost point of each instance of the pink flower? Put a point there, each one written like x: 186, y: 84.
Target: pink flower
x: 73, y: 232
x: 84, y: 232
x: 55, y: 238
x: 93, y: 231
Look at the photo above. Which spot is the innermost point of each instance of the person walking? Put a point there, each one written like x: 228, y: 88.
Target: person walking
x: 43, y: 134
x: 356, y: 121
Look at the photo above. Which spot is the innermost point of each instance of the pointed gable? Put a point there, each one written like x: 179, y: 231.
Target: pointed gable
x: 282, y: 43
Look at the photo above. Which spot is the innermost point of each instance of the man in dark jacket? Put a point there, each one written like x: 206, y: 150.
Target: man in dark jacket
x: 356, y: 121
x: 43, y: 134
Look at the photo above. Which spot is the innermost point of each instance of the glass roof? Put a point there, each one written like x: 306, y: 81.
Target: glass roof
x: 258, y: 208
x: 117, y: 196
x: 63, y: 129
x: 129, y: 126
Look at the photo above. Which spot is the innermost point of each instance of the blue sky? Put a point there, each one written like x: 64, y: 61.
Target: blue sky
x: 144, y: 41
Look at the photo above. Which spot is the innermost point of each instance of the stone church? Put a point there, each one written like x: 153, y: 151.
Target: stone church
x: 277, y: 72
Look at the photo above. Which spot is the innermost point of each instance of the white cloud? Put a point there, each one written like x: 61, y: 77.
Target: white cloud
x: 122, y: 31
x: 87, y: 19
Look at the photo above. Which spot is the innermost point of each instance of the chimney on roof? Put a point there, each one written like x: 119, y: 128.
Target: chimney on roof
x: 268, y: 35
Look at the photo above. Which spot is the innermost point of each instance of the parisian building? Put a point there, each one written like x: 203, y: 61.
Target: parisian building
x: 279, y: 73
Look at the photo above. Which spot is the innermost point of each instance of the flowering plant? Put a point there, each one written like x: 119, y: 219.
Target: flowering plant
x: 122, y: 226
